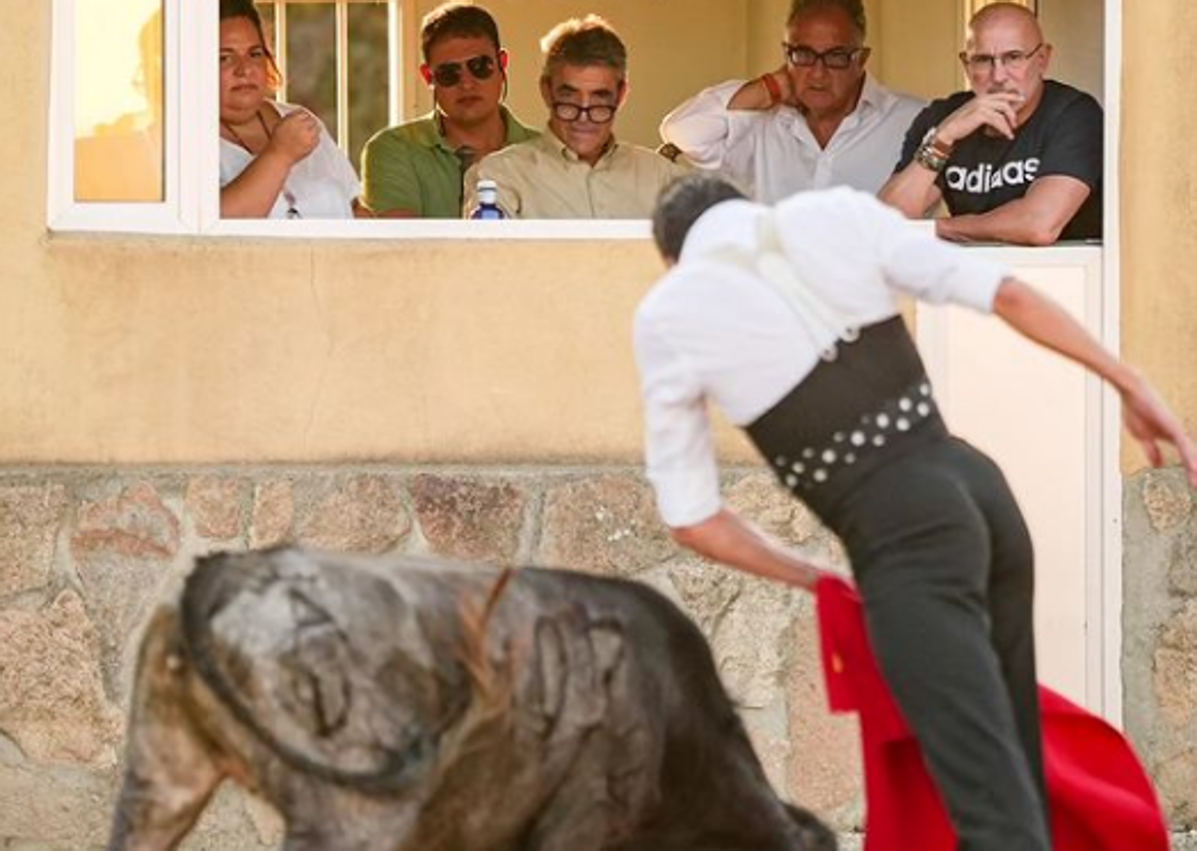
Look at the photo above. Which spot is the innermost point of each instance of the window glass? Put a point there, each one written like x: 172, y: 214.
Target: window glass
x: 311, y: 60
x: 119, y: 102
x: 369, y: 78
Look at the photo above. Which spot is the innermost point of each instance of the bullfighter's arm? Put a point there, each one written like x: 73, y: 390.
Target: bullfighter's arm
x: 727, y: 538
x: 1145, y: 415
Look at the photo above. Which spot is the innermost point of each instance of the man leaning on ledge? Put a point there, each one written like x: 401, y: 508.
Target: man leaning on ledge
x: 1018, y: 159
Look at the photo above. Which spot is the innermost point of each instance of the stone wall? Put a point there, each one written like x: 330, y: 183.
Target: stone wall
x: 1160, y: 629
x: 84, y: 555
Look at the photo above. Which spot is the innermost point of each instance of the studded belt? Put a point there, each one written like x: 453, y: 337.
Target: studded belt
x: 813, y: 464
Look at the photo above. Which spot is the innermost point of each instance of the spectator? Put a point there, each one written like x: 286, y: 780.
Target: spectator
x: 276, y: 160
x: 577, y: 169
x: 415, y: 169
x: 819, y: 120
x: 1018, y: 158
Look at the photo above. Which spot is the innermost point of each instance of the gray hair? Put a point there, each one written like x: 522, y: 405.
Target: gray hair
x: 854, y: 9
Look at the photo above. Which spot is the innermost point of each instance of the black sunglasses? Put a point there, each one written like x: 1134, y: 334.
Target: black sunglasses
x: 448, y: 74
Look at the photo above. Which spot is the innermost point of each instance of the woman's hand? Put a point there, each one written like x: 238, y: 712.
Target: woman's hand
x: 295, y: 136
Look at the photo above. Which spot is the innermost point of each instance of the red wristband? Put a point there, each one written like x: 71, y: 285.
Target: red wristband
x: 773, y: 88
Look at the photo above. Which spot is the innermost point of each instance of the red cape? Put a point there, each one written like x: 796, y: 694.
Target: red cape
x: 1100, y: 797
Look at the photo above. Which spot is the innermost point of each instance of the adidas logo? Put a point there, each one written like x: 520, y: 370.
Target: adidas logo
x: 985, y: 178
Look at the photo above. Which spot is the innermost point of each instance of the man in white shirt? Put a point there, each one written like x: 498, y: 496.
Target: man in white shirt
x: 820, y: 120
x: 788, y: 320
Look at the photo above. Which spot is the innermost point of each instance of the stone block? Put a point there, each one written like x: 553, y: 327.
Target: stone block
x: 1175, y: 672
x: 135, y: 523
x: 1176, y: 782
x: 273, y: 519
x: 469, y: 519
x: 214, y: 506
x: 356, y: 513
x: 125, y: 548
x: 759, y: 498
x: 606, y: 524
x: 752, y: 640
x: 1167, y: 498
x: 31, y: 514
x: 55, y: 808
x: 52, y: 700
x: 1182, y: 562
x: 707, y: 591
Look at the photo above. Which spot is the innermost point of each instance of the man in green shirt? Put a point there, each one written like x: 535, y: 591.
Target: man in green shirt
x: 414, y: 170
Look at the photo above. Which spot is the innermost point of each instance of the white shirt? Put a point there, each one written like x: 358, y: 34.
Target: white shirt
x: 323, y: 185
x: 713, y: 329
x: 773, y: 153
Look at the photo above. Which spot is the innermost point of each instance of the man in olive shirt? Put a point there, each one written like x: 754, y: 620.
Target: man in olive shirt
x: 414, y: 170
x: 576, y: 169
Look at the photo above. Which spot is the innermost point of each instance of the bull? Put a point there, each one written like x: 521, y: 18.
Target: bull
x: 395, y: 704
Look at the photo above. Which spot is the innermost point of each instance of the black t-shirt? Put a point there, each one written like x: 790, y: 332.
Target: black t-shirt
x: 1063, y: 136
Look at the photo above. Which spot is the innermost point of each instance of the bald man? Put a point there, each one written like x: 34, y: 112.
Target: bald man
x: 1018, y: 158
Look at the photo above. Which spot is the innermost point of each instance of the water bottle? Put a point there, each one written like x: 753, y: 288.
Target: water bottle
x: 488, y: 201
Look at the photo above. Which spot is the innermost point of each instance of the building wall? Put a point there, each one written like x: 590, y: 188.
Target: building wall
x: 186, y: 383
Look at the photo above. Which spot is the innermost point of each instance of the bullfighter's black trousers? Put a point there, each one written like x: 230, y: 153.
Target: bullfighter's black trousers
x: 943, y: 561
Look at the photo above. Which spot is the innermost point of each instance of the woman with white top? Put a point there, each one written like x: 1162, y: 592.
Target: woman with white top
x: 276, y: 160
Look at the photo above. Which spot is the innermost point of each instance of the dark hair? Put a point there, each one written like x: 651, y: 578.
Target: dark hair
x: 854, y: 9
x: 457, y: 19
x: 681, y: 203
x: 583, y: 42
x: 246, y: 9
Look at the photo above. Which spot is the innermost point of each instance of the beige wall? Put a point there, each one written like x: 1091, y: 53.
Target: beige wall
x: 1076, y: 30
x: 1159, y: 161
x: 168, y: 350
x: 692, y: 42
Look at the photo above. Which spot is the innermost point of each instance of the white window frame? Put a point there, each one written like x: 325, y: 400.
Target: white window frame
x: 192, y: 205
x: 192, y: 179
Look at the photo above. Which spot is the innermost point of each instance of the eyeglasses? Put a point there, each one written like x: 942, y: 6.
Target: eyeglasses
x: 838, y: 58
x: 448, y: 74
x: 597, y: 113
x: 986, y: 63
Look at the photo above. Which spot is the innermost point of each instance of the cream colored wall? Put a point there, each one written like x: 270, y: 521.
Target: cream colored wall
x: 1076, y: 30
x: 675, y: 47
x: 915, y: 45
x: 1159, y: 200
x: 155, y: 350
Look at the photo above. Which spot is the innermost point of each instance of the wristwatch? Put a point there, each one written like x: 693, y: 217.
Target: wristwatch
x: 932, y: 154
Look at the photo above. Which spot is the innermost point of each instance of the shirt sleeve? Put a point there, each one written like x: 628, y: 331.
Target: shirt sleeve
x: 915, y: 261
x: 679, y: 445
x: 389, y: 180
x: 709, y: 133
x: 1074, y: 143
